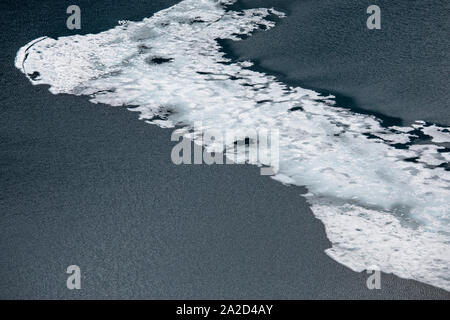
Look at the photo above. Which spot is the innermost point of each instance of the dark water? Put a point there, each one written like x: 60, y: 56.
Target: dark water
x: 91, y: 185
x: 401, y: 70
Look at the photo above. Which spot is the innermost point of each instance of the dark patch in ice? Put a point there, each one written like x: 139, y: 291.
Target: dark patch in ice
x: 262, y: 27
x: 158, y: 60
x: 197, y: 20
x: 414, y: 159
x: 203, y: 72
x: 34, y: 76
x: 445, y: 166
x: 105, y: 91
x: 443, y: 150
x: 296, y: 108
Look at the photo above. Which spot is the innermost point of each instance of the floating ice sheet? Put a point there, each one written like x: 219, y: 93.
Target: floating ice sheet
x: 384, y: 199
